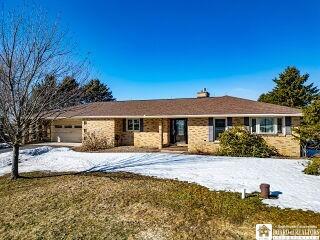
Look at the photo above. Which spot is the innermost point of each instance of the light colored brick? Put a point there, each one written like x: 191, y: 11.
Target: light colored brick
x: 198, y: 134
x: 101, y: 128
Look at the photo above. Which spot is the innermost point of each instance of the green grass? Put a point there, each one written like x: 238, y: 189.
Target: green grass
x: 128, y: 206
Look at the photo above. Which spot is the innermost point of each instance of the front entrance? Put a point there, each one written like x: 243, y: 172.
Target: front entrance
x: 178, y: 131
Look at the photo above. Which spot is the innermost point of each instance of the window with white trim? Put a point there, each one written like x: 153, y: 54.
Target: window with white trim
x: 133, y: 124
x: 266, y: 125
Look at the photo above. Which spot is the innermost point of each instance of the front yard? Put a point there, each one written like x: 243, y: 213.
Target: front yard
x: 127, y: 206
x: 294, y: 188
x: 89, y: 195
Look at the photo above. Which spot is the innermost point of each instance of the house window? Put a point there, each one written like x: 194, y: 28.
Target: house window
x: 279, y: 125
x: 57, y: 126
x: 68, y: 126
x: 133, y: 124
x: 219, y: 127
x: 266, y: 125
x: 77, y: 126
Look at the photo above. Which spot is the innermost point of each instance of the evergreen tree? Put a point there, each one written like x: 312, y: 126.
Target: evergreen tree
x: 70, y: 85
x: 291, y: 90
x: 309, y: 131
x: 95, y: 91
x: 40, y: 88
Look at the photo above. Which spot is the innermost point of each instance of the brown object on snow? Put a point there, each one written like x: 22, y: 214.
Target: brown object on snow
x: 265, y: 190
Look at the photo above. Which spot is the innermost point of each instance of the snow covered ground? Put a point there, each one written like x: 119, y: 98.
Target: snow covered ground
x: 4, y: 145
x: 296, y: 190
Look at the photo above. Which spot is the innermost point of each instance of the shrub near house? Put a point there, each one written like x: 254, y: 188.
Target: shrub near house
x: 95, y: 143
x: 239, y: 142
x: 313, y: 167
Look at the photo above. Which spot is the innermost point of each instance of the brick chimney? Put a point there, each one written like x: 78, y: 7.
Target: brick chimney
x: 203, y: 93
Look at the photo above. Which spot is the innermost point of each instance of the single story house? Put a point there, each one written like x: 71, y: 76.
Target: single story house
x: 192, y: 122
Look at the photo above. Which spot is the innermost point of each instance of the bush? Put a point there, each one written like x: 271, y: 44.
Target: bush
x: 313, y: 167
x: 238, y: 142
x: 94, y: 143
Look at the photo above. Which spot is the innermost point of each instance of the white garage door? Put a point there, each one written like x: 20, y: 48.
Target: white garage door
x: 67, y: 133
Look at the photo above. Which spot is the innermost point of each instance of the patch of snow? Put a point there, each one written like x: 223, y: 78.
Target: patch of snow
x: 4, y: 145
x: 35, y: 151
x: 294, y: 188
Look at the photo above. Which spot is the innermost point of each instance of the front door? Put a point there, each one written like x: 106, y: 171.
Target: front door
x: 179, y: 131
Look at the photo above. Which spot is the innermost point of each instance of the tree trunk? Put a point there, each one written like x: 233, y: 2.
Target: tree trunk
x: 15, y: 159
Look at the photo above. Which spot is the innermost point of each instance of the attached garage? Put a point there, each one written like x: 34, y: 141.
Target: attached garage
x: 66, y: 131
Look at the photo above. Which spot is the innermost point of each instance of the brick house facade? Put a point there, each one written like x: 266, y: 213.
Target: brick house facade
x: 195, y: 123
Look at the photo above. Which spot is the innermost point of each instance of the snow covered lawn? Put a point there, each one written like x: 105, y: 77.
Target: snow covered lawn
x: 296, y: 190
x: 4, y: 145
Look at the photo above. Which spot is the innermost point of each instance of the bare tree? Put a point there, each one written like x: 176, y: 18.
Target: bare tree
x: 35, y: 57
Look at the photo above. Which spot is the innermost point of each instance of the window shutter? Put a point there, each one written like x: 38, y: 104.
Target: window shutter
x: 288, y: 123
x: 211, y: 139
x: 279, y: 125
x: 246, y: 121
x: 124, y: 125
x: 229, y: 122
x: 254, y: 125
x: 186, y: 131
x: 141, y: 124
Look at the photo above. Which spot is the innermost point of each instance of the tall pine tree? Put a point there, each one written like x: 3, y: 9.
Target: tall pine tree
x: 309, y: 131
x: 70, y: 85
x: 291, y: 90
x: 96, y: 91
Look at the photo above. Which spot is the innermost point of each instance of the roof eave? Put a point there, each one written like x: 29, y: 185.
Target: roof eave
x: 187, y: 116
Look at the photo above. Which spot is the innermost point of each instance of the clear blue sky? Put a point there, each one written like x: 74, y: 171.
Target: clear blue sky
x: 173, y: 48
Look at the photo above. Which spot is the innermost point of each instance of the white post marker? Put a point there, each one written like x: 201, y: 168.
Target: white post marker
x: 243, y: 194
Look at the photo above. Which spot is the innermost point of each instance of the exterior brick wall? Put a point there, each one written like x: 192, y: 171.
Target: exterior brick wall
x: 198, y: 136
x: 101, y: 128
x: 150, y: 136
x: 124, y: 138
x: 151, y: 125
x: 113, y: 129
x: 146, y: 139
x: 166, y: 131
x: 286, y: 145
